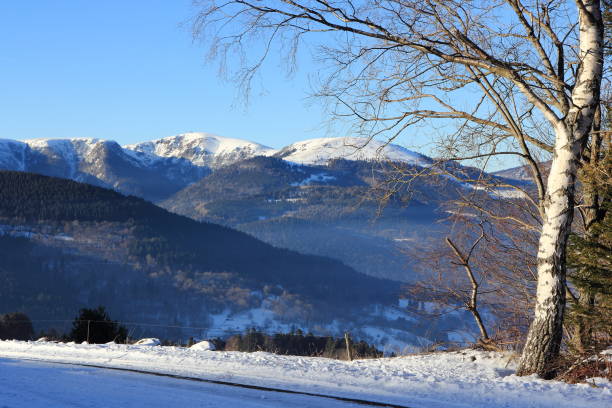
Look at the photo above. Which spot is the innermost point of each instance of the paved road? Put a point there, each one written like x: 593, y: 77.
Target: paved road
x: 36, y: 385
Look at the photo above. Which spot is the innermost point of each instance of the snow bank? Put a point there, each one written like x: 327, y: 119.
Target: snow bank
x: 457, y: 379
x: 203, y: 345
x: 148, y: 342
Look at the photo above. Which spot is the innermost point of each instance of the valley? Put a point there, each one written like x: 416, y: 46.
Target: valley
x: 322, y: 198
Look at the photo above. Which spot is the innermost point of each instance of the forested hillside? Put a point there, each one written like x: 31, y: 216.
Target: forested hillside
x: 65, y: 244
x: 340, y: 210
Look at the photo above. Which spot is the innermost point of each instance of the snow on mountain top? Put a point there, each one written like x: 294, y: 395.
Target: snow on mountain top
x: 466, y: 378
x: 523, y: 173
x: 202, y: 149
x: 72, y: 149
x: 320, y: 151
x: 79, y: 145
x: 44, y: 142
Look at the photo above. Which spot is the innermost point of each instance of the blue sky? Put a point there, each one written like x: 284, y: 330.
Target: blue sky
x: 130, y: 71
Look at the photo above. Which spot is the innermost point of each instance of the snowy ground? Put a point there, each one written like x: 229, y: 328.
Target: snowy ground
x: 66, y: 386
x: 459, y: 379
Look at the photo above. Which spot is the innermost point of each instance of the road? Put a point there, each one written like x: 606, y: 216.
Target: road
x: 26, y: 384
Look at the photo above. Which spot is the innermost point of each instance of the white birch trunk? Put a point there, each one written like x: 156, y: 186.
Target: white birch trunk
x: 545, y: 333
x: 544, y: 338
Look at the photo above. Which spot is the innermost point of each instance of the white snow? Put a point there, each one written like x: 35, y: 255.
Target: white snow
x: 203, y: 346
x: 263, y: 318
x: 380, y: 327
x: 498, y: 192
x: 456, y: 379
x: 148, y: 342
x: 202, y: 149
x: 322, y: 150
x: 25, y: 384
x: 70, y: 151
x: 144, y: 158
x: 315, y: 178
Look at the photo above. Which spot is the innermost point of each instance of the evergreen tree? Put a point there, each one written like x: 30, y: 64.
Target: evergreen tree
x: 96, y: 327
x: 589, y: 321
x: 590, y: 273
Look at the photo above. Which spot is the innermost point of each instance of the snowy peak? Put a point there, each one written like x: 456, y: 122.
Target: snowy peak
x: 197, y: 149
x: 69, y: 153
x: 156, y: 169
x: 79, y: 146
x: 322, y: 150
x: 205, y: 149
x: 100, y: 162
x: 201, y: 149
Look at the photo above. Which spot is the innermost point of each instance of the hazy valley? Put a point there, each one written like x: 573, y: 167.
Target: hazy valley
x: 321, y: 197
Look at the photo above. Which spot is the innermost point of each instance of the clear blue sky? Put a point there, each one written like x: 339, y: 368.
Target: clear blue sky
x: 128, y: 70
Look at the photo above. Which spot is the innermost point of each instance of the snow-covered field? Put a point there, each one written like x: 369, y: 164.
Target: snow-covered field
x: 457, y: 379
x: 58, y: 386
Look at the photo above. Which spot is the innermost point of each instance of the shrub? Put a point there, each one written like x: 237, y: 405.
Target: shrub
x: 16, y: 326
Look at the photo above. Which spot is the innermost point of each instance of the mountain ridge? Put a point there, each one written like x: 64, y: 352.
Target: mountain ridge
x: 201, y: 149
x: 159, y: 168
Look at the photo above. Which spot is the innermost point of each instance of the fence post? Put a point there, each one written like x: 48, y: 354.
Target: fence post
x: 348, y: 346
x: 89, y: 321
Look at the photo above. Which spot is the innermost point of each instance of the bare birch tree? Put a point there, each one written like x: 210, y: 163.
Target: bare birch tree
x: 509, y: 77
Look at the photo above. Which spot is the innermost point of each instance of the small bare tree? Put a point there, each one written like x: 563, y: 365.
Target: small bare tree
x: 471, y: 304
x: 510, y: 77
x: 497, y: 273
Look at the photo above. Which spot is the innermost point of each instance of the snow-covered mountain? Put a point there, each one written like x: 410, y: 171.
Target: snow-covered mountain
x: 321, y: 151
x: 522, y: 173
x: 159, y: 168
x: 100, y: 162
x: 201, y: 149
x: 205, y: 149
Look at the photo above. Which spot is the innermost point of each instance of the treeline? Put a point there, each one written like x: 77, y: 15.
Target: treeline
x: 32, y: 197
x: 95, y: 326
x: 297, y: 343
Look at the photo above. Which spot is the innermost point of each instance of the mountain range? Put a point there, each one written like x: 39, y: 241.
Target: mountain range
x: 156, y: 169
x: 320, y: 196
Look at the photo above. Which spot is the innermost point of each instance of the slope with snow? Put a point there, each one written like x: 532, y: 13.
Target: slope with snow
x: 100, y: 162
x: 450, y: 380
x: 322, y: 150
x: 523, y: 173
x: 13, y: 154
x: 73, y: 158
x: 202, y: 149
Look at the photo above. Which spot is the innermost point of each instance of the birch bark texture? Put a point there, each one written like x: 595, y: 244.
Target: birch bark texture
x: 572, y: 132
x: 503, y: 77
